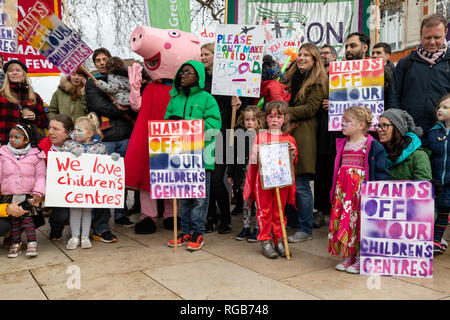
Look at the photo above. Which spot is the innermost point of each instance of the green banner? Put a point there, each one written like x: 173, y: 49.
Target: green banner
x: 170, y: 14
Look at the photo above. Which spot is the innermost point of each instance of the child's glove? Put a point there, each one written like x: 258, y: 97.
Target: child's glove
x: 76, y: 152
x: 115, y: 156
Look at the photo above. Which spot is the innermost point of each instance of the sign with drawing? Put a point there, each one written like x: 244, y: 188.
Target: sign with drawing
x: 275, y: 165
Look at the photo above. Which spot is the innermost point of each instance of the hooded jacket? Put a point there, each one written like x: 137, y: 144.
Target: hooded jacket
x: 198, y: 104
x: 436, y: 139
x: 62, y: 102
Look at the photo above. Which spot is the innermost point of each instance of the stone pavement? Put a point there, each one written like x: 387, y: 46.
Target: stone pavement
x: 144, y: 267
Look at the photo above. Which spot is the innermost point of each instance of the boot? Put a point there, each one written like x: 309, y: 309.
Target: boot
x: 279, y: 248
x: 267, y: 250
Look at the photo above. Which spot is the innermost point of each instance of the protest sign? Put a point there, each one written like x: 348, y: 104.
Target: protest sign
x: 397, y: 227
x: 275, y: 165
x: 238, y: 60
x: 352, y: 83
x: 8, y: 21
x: 87, y: 181
x: 282, y: 36
x: 53, y: 39
x: 177, y: 167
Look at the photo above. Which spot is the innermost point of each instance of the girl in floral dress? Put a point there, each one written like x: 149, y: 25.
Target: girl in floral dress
x: 359, y: 158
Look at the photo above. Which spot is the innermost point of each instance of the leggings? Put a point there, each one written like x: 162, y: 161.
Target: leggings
x: 219, y: 194
x: 80, y: 217
x: 26, y: 223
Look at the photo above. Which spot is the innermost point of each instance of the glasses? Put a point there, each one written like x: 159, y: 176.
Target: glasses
x: 383, y: 126
x: 186, y: 73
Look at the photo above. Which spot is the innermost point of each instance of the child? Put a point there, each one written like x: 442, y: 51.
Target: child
x: 268, y: 214
x: 436, y: 140
x: 359, y: 158
x: 85, y: 130
x: 189, y: 101
x: 271, y: 88
x: 22, y: 179
x: 249, y: 120
x: 118, y: 86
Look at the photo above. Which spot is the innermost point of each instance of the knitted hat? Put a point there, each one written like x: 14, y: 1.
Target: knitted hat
x: 270, y: 69
x: 402, y: 121
x: 10, y: 62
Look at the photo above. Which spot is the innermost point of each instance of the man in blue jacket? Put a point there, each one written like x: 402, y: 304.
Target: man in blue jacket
x: 421, y: 79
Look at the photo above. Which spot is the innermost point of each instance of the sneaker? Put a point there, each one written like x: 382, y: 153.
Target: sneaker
x: 224, y: 229
x: 267, y: 250
x: 354, y: 268
x: 444, y: 243
x: 318, y: 220
x: 55, y: 235
x: 124, y: 221
x: 107, y: 237
x: 438, y: 248
x: 85, y: 242
x: 14, y: 250
x: 299, y: 236
x: 280, y: 249
x: 73, y: 243
x: 196, y: 242
x: 253, y: 236
x: 210, y: 226
x: 32, y: 249
x: 182, y: 240
x: 244, y: 234
x: 345, y: 264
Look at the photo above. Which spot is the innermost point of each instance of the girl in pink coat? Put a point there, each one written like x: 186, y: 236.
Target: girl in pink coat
x: 22, y: 180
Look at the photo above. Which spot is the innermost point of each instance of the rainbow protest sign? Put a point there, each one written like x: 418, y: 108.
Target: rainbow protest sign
x: 45, y: 32
x: 355, y: 82
x: 397, y: 226
x: 177, y: 167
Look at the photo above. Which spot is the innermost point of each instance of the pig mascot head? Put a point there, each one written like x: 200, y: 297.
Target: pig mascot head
x: 164, y: 50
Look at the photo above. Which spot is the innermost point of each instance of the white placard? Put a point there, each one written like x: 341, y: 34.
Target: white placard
x: 275, y: 165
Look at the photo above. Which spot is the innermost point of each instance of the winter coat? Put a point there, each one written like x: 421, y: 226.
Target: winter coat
x: 9, y: 112
x: 419, y: 89
x: 95, y: 147
x: 236, y: 171
x: 273, y: 90
x: 63, y: 103
x: 413, y: 163
x: 24, y: 176
x: 375, y: 163
x: 118, y: 86
x: 199, y: 104
x: 99, y: 102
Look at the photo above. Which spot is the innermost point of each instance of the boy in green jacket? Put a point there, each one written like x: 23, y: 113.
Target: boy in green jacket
x: 189, y: 101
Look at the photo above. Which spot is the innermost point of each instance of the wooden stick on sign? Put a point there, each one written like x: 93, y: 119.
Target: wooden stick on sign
x: 175, y: 215
x: 233, y: 123
x: 283, y: 228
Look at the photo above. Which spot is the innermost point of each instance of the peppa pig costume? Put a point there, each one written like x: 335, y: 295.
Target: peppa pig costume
x: 163, y: 51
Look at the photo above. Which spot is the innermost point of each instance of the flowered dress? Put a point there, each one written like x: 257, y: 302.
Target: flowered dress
x: 345, y: 219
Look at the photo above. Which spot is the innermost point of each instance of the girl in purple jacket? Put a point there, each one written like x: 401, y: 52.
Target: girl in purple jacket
x: 22, y: 180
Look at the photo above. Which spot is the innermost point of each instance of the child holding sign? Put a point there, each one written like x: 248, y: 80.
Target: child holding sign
x: 22, y: 180
x: 268, y: 213
x: 358, y: 158
x: 85, y: 130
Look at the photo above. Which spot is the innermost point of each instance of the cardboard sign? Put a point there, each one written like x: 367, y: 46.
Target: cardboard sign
x: 53, y: 39
x: 352, y: 83
x: 275, y: 165
x: 281, y: 36
x: 87, y: 181
x: 177, y: 167
x: 397, y: 228
x: 8, y: 21
x: 238, y: 60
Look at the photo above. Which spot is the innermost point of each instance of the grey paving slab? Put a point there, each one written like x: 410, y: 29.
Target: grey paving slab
x: 19, y: 285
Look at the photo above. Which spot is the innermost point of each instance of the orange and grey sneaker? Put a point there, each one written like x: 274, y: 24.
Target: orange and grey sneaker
x: 182, y: 240
x: 196, y: 242
x: 107, y: 237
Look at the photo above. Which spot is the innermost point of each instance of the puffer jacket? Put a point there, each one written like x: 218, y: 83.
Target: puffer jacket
x: 63, y: 103
x: 24, y: 176
x: 436, y: 139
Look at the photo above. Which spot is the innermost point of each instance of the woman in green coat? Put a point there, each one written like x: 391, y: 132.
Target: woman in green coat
x: 406, y: 160
x: 69, y: 98
x: 308, y: 85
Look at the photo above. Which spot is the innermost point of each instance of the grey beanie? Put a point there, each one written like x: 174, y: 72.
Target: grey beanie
x: 402, y: 121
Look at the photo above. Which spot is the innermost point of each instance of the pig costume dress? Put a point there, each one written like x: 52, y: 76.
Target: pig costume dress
x: 164, y: 51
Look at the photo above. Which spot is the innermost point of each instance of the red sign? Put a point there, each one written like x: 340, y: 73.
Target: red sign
x: 37, y: 64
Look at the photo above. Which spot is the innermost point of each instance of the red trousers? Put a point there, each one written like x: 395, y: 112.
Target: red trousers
x: 268, y: 213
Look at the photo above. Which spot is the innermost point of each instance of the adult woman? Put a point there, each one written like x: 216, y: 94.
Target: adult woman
x: 69, y: 98
x: 307, y: 83
x: 219, y: 192
x: 58, y: 132
x: 18, y: 102
x: 406, y: 160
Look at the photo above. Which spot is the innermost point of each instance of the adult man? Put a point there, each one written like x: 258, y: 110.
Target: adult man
x: 115, y: 138
x: 356, y: 46
x: 328, y: 54
x: 423, y: 77
x: 383, y: 50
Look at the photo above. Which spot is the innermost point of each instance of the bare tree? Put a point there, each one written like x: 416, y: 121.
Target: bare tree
x: 207, y: 12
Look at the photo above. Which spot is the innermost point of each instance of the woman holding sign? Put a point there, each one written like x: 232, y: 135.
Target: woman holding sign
x: 18, y: 102
x: 308, y: 85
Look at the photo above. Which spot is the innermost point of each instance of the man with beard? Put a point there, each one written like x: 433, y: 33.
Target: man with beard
x: 356, y: 46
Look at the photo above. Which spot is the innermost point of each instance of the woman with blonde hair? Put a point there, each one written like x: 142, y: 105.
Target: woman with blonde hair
x: 18, y: 102
x: 307, y: 82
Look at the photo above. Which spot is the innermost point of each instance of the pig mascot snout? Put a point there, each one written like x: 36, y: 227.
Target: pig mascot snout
x: 163, y: 51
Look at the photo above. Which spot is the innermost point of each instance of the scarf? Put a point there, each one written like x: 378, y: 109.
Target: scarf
x: 296, y: 84
x: 19, y: 152
x: 432, y: 57
x: 413, y: 146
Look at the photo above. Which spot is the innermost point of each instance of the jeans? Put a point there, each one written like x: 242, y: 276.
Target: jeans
x: 119, y: 147
x: 59, y: 218
x: 193, y: 211
x: 305, y: 203
x: 100, y: 220
x: 5, y: 226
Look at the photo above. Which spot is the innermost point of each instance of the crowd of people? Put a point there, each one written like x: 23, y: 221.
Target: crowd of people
x: 96, y: 114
